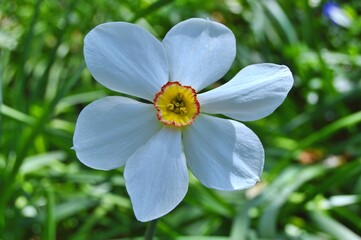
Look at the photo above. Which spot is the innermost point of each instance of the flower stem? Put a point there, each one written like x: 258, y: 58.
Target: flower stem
x: 152, y: 227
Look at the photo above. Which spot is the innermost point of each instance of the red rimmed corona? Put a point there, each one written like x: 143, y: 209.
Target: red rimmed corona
x: 176, y: 105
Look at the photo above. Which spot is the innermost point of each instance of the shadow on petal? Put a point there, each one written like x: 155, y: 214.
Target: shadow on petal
x: 223, y: 154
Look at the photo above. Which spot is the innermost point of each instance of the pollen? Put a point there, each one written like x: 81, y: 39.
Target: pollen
x: 176, y: 105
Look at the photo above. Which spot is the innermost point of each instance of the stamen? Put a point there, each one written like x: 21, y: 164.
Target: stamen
x: 170, y: 106
x: 183, y: 111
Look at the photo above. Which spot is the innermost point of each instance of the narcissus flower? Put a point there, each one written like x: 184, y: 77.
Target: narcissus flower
x: 174, y: 126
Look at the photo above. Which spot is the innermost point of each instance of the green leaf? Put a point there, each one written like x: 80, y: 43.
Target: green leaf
x: 332, y: 226
x: 35, y: 163
x: 269, y: 218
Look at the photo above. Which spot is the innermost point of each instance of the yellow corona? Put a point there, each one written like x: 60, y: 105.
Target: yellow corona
x: 176, y: 105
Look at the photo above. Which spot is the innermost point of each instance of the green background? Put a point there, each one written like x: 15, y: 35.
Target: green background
x: 311, y: 185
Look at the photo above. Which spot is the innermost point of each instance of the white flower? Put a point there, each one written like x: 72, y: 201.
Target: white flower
x: 157, y: 140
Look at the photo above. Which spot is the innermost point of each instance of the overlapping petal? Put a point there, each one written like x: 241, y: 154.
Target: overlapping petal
x: 108, y: 131
x: 255, y: 92
x: 223, y: 154
x: 200, y: 52
x: 157, y: 176
x: 126, y: 58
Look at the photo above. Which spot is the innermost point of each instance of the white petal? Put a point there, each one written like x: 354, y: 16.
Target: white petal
x: 156, y: 175
x: 126, y: 58
x: 255, y: 92
x: 223, y: 154
x: 108, y: 131
x: 200, y: 52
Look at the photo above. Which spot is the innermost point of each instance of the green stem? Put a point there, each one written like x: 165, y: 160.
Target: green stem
x: 151, y: 229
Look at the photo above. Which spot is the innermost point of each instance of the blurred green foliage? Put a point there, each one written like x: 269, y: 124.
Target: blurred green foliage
x: 311, y: 186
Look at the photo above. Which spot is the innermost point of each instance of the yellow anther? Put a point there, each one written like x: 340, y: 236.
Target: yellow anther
x: 183, y: 111
x: 170, y: 106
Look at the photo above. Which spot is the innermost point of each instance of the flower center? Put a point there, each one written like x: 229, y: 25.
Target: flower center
x: 176, y: 104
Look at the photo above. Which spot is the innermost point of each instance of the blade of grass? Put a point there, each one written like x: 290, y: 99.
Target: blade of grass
x: 277, y: 13
x: 19, y: 103
x: 349, y: 216
x: 59, y: 35
x: 268, y: 222
x: 336, y: 178
x: 345, y: 122
x: 151, y: 8
x: 241, y: 222
x: 27, y: 140
x: 50, y: 223
x: 16, y: 115
x: 316, y: 137
x: 34, y: 163
x: 305, y: 118
x: 19, y: 88
x: 1, y: 102
x: 108, y: 202
x: 340, y: 200
x: 332, y: 226
x: 240, y: 227
x: 72, y: 207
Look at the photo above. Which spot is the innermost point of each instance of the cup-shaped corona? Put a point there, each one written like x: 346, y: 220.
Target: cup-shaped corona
x: 176, y: 105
